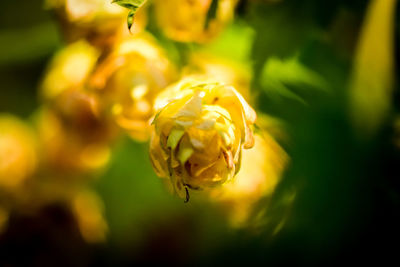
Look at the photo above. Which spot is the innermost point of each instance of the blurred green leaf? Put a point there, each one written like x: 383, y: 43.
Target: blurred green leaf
x: 234, y: 43
x: 280, y: 76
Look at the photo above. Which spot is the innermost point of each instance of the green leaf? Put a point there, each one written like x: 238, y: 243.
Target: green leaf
x: 133, y: 6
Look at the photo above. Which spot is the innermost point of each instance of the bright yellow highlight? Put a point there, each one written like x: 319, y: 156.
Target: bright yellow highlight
x: 200, y: 129
x: 69, y: 69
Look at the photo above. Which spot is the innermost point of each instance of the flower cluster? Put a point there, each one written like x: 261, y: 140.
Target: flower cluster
x: 108, y: 81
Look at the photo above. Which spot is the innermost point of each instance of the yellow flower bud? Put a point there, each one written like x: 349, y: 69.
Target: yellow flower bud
x: 69, y: 69
x: 18, y: 155
x: 128, y: 80
x: 199, y: 131
x: 74, y: 130
x: 186, y: 20
x: 98, y: 21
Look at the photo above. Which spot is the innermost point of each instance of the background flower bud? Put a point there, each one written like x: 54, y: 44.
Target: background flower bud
x: 128, y: 80
x: 74, y: 130
x: 186, y: 20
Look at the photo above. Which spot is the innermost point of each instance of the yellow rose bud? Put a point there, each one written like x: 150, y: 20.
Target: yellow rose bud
x: 199, y: 131
x: 18, y: 155
x: 128, y: 80
x: 186, y: 20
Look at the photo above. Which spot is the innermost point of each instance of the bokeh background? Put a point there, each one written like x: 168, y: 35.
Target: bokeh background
x: 310, y: 61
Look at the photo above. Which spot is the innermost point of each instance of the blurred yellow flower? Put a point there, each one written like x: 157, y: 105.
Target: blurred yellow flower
x: 74, y: 142
x: 69, y: 69
x: 200, y: 130
x: 18, y: 154
x: 128, y: 80
x: 98, y: 21
x: 84, y: 205
x: 261, y: 171
x: 224, y: 70
x: 74, y: 132
x: 186, y: 20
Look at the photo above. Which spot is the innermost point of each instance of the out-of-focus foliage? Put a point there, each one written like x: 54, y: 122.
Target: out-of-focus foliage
x: 78, y: 91
x: 374, y: 68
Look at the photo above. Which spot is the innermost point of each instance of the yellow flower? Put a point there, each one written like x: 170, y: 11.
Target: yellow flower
x: 77, y: 141
x: 69, y: 69
x: 185, y: 20
x: 74, y: 130
x: 18, y: 155
x: 98, y: 21
x: 226, y: 71
x: 262, y: 167
x: 200, y: 130
x: 129, y: 79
